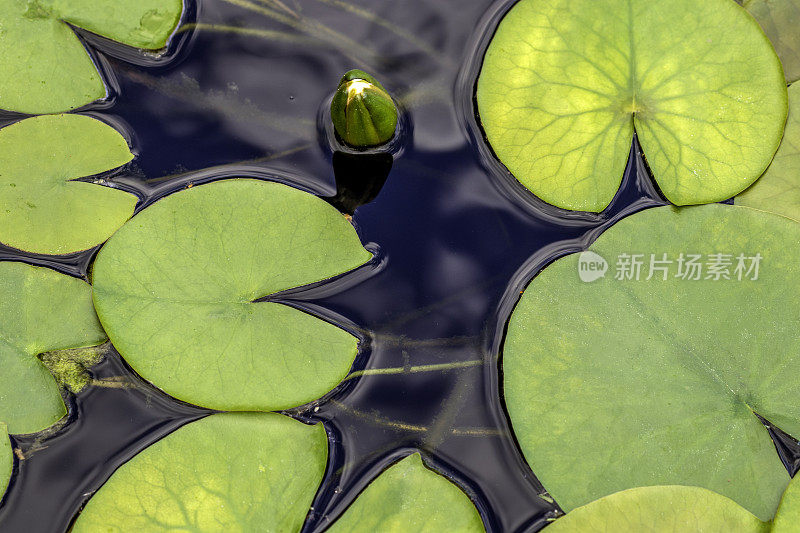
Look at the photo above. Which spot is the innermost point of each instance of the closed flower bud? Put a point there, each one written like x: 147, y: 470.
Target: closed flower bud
x: 362, y: 111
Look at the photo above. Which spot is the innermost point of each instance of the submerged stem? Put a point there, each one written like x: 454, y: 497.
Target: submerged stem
x: 346, y: 45
x: 414, y: 369
x: 271, y: 35
x: 400, y: 32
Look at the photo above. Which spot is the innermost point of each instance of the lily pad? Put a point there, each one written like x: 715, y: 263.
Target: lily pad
x: 44, y: 67
x: 175, y: 290
x: 6, y: 459
x: 410, y: 497
x: 677, y: 508
x: 41, y: 310
x: 778, y: 190
x: 564, y: 83
x: 622, y: 383
x: 780, y: 20
x: 788, y: 516
x: 227, y: 472
x: 42, y: 208
x: 662, y: 509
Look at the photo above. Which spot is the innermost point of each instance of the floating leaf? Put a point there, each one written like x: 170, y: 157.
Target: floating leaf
x: 227, y: 472
x: 42, y: 208
x: 6, y: 459
x: 564, y: 83
x: 677, y: 508
x: 780, y: 20
x: 614, y: 384
x: 175, y: 290
x: 778, y: 190
x: 788, y: 515
x: 44, y: 67
x: 660, y: 509
x: 409, y: 497
x: 41, y: 310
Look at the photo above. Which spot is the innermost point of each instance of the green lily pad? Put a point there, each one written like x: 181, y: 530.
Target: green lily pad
x: 6, y: 459
x: 677, y: 508
x: 42, y: 209
x: 44, y: 67
x: 41, y: 310
x: 780, y: 20
x: 227, y: 472
x: 778, y: 190
x: 621, y: 383
x: 661, y: 509
x: 564, y: 83
x: 175, y: 290
x: 788, y: 515
x: 410, y: 497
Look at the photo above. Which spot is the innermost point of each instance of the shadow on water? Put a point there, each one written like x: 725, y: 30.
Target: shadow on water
x: 359, y: 179
x: 455, y: 240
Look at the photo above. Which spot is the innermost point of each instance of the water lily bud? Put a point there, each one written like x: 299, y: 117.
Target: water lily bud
x: 363, y: 113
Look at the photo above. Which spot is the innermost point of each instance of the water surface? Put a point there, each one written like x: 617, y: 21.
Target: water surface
x: 456, y: 240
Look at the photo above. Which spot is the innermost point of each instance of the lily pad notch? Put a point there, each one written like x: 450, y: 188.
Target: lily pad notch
x: 44, y: 67
x: 209, y: 255
x: 44, y: 312
x: 46, y: 208
x: 563, y: 85
x: 684, y: 383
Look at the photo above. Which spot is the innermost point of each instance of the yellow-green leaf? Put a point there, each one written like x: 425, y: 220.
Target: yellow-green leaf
x: 787, y: 519
x: 660, y: 509
x: 565, y: 82
x: 410, y: 497
x: 236, y: 472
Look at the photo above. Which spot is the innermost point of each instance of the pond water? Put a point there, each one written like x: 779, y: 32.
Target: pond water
x: 241, y: 93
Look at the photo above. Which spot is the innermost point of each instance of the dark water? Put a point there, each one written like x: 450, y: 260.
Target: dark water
x: 455, y: 239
